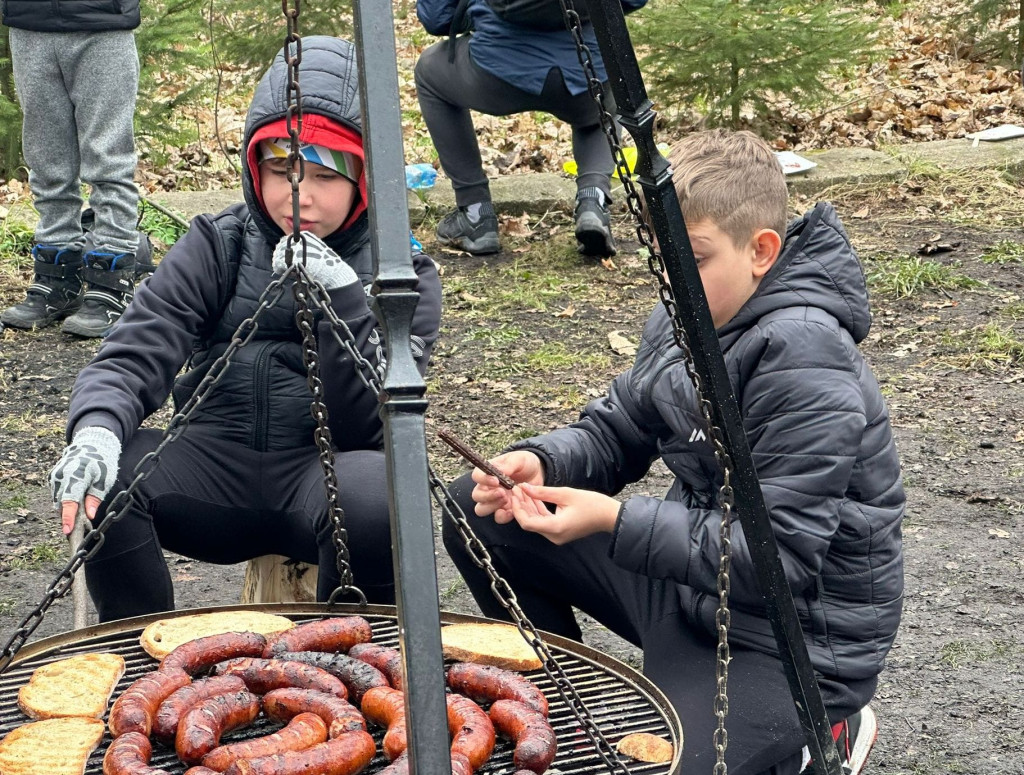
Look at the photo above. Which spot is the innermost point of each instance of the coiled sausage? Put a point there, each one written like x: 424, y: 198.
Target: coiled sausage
x: 338, y: 714
x: 338, y: 634
x: 385, y: 707
x: 196, y: 655
x: 486, y: 683
x: 264, y: 675
x: 387, y: 660
x: 534, y: 739
x: 203, y: 724
x: 133, y: 711
x: 170, y: 711
x: 471, y: 730
x: 358, y: 676
x: 303, y: 731
x: 345, y: 755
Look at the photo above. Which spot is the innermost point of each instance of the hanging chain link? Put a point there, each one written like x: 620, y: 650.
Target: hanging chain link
x: 656, y: 264
x: 304, y: 318
x: 94, y: 537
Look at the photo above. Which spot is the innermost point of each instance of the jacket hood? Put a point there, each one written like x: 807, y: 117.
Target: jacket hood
x: 817, y: 268
x: 329, y: 84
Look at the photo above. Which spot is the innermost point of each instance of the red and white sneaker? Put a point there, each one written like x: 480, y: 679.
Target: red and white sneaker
x: 855, y: 737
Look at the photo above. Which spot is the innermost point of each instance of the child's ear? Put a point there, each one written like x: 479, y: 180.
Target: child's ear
x: 766, y: 243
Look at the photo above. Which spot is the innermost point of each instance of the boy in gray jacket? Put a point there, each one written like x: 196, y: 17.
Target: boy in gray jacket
x: 76, y: 72
x: 789, y: 315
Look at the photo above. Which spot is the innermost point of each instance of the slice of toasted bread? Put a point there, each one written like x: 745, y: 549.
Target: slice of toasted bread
x: 77, y: 686
x: 57, y: 746
x: 164, y: 635
x: 645, y: 747
x: 501, y: 645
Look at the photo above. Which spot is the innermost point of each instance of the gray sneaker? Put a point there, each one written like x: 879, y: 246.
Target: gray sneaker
x: 110, y: 280
x: 56, y: 289
x: 593, y: 226
x: 478, y: 237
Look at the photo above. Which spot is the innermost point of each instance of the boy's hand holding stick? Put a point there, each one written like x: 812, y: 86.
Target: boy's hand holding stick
x: 459, y: 446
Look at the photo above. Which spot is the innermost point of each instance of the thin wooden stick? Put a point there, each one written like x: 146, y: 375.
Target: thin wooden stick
x: 460, y: 446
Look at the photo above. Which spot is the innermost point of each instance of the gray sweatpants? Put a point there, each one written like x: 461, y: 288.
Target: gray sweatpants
x: 77, y: 93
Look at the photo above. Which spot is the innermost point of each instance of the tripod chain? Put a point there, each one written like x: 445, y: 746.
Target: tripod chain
x: 507, y: 598
x: 656, y: 264
x: 120, y: 504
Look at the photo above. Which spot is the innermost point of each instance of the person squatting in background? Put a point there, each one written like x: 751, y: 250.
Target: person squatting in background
x: 789, y: 306
x: 502, y: 68
x: 244, y: 479
x: 76, y: 73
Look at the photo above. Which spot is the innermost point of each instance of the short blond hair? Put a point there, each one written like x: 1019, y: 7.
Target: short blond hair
x: 732, y: 179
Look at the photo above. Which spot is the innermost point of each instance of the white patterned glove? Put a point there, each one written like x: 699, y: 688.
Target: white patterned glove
x: 322, y: 264
x: 87, y: 467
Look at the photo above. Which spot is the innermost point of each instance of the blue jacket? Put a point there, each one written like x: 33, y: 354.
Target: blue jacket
x: 71, y: 15
x: 522, y: 57
x: 210, y: 281
x: 821, y: 441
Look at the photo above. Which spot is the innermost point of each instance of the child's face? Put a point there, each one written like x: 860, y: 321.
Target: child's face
x: 731, y: 274
x: 325, y: 197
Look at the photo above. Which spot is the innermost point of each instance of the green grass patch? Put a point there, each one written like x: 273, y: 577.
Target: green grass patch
x: 1004, y: 252
x: 901, y: 276
x: 958, y: 653
x: 496, y: 337
x: 8, y: 605
x: 38, y: 557
x: 1014, y: 311
x: 987, y: 347
x: 161, y: 227
x: 36, y: 425
x: 13, y: 500
x: 15, y: 246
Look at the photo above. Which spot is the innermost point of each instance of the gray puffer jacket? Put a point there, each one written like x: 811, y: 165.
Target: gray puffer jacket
x: 72, y: 15
x: 822, y: 445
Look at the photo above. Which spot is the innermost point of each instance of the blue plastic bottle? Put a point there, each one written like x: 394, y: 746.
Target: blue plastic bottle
x: 419, y: 176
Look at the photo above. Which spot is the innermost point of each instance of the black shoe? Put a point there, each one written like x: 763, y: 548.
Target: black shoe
x: 479, y: 238
x: 593, y: 227
x: 56, y: 289
x: 110, y: 282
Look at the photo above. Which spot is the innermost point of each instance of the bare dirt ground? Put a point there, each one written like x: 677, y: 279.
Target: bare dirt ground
x: 526, y: 344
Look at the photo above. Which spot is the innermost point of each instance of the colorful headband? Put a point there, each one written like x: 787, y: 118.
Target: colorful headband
x: 346, y: 164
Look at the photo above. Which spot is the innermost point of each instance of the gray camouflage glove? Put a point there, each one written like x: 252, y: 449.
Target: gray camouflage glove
x: 322, y: 264
x: 87, y: 467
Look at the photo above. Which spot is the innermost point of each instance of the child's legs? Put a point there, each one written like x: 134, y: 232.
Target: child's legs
x: 103, y: 72
x: 550, y: 580
x: 48, y: 135
x: 363, y: 496
x: 447, y: 91
x: 765, y: 735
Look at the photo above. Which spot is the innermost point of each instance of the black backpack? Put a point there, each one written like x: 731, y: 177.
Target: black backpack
x: 533, y: 14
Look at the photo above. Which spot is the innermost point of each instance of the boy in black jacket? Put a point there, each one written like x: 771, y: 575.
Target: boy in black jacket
x: 244, y: 479
x: 788, y: 319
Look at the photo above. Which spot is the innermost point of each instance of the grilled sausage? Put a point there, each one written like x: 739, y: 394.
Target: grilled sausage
x: 264, y: 675
x: 338, y: 635
x: 165, y: 722
x: 385, y: 707
x: 345, y: 755
x: 200, y: 770
x: 303, y: 731
x: 357, y: 675
x: 486, y: 683
x: 534, y: 739
x: 133, y: 711
x: 129, y: 755
x: 400, y: 766
x: 471, y: 730
x: 338, y: 714
x: 203, y: 724
x: 387, y: 660
x: 199, y: 654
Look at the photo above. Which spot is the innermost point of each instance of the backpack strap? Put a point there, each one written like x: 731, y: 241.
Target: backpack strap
x: 460, y: 23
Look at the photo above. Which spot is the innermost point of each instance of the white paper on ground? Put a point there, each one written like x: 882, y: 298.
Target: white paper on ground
x: 1002, y: 132
x: 792, y: 163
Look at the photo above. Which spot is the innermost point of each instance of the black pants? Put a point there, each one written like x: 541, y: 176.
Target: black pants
x: 223, y: 503
x: 765, y: 735
x: 448, y: 90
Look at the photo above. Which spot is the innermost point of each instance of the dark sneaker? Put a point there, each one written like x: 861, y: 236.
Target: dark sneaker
x: 593, y: 227
x: 56, y: 289
x: 855, y: 737
x: 478, y: 237
x: 110, y: 286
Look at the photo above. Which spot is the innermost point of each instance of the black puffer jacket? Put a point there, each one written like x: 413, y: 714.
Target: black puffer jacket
x: 72, y: 15
x: 211, y: 281
x: 822, y: 445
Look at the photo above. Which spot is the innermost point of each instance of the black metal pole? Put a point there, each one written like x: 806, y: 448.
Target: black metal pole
x: 636, y: 114
x: 403, y: 404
